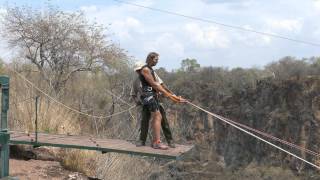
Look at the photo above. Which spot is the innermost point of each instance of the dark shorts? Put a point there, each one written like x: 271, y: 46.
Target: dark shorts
x: 151, y: 103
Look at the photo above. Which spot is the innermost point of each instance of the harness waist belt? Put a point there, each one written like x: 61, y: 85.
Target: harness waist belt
x: 147, y: 88
x: 149, y: 98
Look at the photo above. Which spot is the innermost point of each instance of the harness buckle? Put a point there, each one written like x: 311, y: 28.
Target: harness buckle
x: 147, y: 89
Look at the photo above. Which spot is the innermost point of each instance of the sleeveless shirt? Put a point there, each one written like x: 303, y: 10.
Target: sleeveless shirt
x: 145, y: 85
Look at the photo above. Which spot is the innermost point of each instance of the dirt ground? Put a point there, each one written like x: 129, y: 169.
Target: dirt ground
x: 41, y: 170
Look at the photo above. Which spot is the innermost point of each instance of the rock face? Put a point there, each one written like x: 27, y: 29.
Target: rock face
x: 289, y: 110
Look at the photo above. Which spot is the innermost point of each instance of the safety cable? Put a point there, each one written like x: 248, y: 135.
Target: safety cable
x: 65, y: 106
x: 249, y: 133
x: 272, y: 137
x: 220, y: 24
x: 117, y: 97
x: 24, y: 100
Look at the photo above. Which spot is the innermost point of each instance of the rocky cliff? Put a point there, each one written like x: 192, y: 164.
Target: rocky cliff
x: 288, y: 109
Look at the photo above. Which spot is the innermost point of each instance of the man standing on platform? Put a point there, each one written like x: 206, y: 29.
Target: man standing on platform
x: 149, y: 87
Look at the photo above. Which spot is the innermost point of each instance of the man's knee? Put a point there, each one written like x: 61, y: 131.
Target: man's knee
x: 157, y: 115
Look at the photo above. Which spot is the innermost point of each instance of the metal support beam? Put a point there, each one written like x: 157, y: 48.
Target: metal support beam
x: 4, y: 135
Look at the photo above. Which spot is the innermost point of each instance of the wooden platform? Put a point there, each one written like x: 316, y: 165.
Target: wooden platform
x: 103, y: 145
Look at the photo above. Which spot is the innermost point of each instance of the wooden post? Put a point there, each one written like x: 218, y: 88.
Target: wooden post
x: 4, y: 135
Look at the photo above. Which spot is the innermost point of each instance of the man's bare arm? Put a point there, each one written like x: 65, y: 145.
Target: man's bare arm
x: 166, y: 88
x: 154, y: 84
x: 149, y: 78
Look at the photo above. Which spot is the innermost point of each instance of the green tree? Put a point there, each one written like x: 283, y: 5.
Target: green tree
x: 189, y: 65
x: 59, y: 44
x: 288, y: 67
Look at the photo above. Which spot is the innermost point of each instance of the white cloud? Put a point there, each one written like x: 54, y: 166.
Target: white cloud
x: 127, y: 28
x: 316, y: 4
x: 252, y: 39
x: 316, y: 34
x: 266, y: 39
x: 123, y: 23
x: 89, y: 9
x: 140, y: 30
x: 207, y: 37
x: 132, y: 22
x: 3, y: 12
x: 291, y: 25
x: 166, y: 44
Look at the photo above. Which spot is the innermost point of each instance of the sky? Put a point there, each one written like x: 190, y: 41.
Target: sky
x: 140, y: 30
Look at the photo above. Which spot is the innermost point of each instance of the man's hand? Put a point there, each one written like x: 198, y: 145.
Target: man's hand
x: 177, y: 99
x: 182, y: 100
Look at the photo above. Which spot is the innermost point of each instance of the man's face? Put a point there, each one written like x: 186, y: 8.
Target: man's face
x: 155, y: 60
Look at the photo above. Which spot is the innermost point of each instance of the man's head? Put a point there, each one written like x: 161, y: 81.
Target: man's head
x: 152, y: 59
x: 138, y: 65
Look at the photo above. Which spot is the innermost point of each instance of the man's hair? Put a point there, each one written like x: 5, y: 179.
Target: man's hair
x: 151, y: 56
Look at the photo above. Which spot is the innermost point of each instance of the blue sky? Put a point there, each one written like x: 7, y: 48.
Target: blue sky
x: 140, y: 31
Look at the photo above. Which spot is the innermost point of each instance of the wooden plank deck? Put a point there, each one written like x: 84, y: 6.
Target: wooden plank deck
x: 103, y: 145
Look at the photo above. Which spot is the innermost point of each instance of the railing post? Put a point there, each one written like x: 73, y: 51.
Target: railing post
x: 4, y: 135
x: 36, y: 121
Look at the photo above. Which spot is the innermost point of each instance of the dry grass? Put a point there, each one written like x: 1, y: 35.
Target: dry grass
x: 55, y: 119
x: 121, y: 166
x: 52, y: 118
x: 79, y: 160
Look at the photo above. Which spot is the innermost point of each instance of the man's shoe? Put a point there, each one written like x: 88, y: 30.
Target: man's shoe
x: 171, y: 144
x: 140, y: 143
x: 159, y: 145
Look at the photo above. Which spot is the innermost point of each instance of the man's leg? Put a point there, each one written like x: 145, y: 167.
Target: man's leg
x: 166, y: 128
x: 145, y: 113
x: 156, y: 125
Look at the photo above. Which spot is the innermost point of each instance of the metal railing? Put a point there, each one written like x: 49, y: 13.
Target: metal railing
x: 4, y: 135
